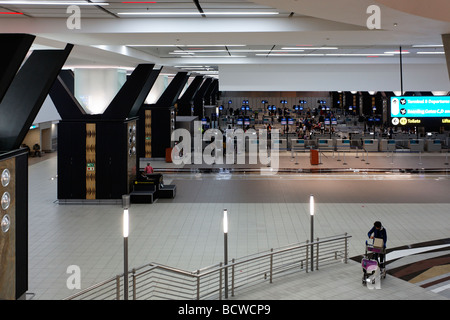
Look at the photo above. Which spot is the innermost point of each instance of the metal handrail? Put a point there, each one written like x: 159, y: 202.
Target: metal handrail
x: 157, y: 281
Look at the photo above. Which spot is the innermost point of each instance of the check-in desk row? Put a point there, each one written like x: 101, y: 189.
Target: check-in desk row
x: 370, y: 145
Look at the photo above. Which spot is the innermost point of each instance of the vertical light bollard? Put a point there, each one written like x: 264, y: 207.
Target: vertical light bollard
x: 225, y: 234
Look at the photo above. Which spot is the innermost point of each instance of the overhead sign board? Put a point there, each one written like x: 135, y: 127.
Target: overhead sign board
x: 419, y: 106
x: 416, y: 109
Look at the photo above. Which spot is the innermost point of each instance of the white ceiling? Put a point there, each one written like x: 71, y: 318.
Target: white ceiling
x: 336, y: 29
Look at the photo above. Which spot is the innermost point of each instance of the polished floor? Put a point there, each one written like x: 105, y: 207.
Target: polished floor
x: 264, y: 212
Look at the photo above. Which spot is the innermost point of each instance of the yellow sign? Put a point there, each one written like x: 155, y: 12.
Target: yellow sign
x: 403, y: 121
x: 446, y: 120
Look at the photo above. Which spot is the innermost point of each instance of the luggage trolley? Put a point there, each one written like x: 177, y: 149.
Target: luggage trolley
x: 370, y: 263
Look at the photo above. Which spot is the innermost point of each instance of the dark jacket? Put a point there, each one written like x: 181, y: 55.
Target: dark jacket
x: 379, y: 234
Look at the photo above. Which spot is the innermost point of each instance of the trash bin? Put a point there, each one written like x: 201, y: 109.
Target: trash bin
x: 168, y: 154
x: 314, y: 156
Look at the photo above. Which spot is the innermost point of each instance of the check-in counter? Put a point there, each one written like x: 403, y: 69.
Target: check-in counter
x: 387, y: 145
x: 251, y: 145
x: 416, y: 145
x: 280, y: 143
x: 342, y: 144
x: 325, y: 144
x: 298, y: 144
x: 433, y: 145
x: 370, y: 144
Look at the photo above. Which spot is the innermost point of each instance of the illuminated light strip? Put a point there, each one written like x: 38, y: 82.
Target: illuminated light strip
x: 290, y: 54
x: 19, y: 13
x: 359, y: 54
x: 139, y: 2
x: 396, y: 52
x: 54, y: 3
x: 309, y: 48
x: 213, y: 56
x: 198, y: 13
x: 433, y: 52
x: 428, y: 45
x: 195, y: 51
x: 185, y: 45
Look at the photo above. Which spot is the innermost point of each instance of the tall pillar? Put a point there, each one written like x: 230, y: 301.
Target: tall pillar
x: 446, y: 43
x: 95, y: 88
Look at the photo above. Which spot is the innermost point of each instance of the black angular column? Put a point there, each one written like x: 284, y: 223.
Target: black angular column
x: 26, y: 94
x: 18, y: 108
x: 97, y: 153
x: 184, y: 104
x: 199, y: 102
x: 157, y: 121
x: 14, y: 50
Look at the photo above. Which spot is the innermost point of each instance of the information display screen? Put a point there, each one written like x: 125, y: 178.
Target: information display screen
x: 413, y: 110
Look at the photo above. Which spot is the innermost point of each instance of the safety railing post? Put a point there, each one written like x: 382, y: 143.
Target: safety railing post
x: 345, y: 249
x: 271, y: 265
x: 232, y: 278
x: 198, y: 284
x: 317, y: 254
x: 133, y: 276
x: 117, y: 287
x: 307, y: 255
x: 220, y: 281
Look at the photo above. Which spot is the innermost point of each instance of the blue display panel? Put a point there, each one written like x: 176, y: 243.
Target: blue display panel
x: 420, y: 110
x: 419, y: 106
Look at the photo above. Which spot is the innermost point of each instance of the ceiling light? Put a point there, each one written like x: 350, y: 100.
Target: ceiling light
x: 195, y: 51
x: 439, y: 93
x: 55, y: 3
x: 427, y: 45
x: 250, y: 50
x: 11, y: 13
x: 359, y: 54
x: 433, y: 52
x: 213, y: 56
x: 181, y: 53
x: 291, y: 54
x: 396, y: 52
x: 189, y: 13
x: 309, y: 48
x: 185, y: 45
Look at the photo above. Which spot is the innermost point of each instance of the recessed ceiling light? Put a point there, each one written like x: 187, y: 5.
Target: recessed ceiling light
x: 359, y: 54
x: 290, y: 54
x: 396, y: 52
x: 309, y: 48
x: 182, y: 53
x: 194, y: 56
x: 195, y: 51
x: 185, y: 45
x: 433, y: 52
x: 190, y: 13
x: 428, y: 45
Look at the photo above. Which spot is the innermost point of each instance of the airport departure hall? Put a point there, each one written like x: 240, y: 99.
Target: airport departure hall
x: 224, y: 150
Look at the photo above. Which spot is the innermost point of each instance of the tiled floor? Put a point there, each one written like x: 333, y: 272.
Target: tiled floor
x: 264, y: 212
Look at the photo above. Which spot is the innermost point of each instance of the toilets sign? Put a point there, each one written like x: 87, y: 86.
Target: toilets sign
x: 234, y: 146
